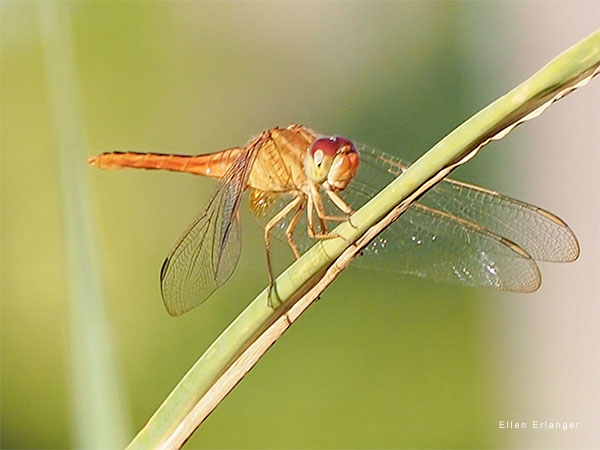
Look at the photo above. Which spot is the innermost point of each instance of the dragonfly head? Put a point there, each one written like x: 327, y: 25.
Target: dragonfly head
x: 331, y: 159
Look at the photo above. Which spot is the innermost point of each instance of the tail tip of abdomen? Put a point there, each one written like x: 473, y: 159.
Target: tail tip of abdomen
x: 94, y: 160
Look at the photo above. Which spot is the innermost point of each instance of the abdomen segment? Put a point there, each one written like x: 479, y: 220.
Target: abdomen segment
x: 212, y: 165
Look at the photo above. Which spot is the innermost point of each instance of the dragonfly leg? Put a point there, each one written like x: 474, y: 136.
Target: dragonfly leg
x: 289, y: 232
x: 323, y: 225
x: 341, y: 204
x: 312, y: 232
x: 318, y: 204
x: 270, y: 225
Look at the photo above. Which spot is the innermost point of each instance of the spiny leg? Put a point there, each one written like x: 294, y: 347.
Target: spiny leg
x: 311, y: 223
x: 320, y: 208
x: 270, y: 225
x: 289, y: 232
x: 341, y: 204
x: 323, y: 225
x: 312, y: 232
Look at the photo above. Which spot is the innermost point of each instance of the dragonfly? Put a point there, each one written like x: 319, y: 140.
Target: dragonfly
x: 301, y: 182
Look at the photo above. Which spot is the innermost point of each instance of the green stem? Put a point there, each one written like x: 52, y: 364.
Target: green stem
x: 568, y: 71
x: 100, y: 416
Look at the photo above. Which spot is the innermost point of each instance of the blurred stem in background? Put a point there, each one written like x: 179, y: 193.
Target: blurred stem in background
x: 98, y: 411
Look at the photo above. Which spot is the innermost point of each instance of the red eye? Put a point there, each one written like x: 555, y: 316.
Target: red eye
x: 330, y: 146
x: 343, y: 142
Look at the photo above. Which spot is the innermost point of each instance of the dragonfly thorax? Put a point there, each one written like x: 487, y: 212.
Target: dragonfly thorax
x: 333, y: 160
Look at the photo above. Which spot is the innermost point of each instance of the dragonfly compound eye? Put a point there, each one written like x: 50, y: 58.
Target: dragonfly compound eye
x: 319, y: 158
x: 322, y: 148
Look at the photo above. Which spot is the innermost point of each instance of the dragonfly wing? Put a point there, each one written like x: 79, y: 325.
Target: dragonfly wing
x: 433, y: 244
x: 545, y: 236
x: 424, y: 244
x: 208, y: 251
x: 542, y: 234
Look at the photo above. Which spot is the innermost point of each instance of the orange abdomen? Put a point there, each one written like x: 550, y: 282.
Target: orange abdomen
x: 213, y: 165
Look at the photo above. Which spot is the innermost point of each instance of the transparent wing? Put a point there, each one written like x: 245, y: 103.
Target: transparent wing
x: 208, y: 251
x: 542, y: 234
x: 433, y: 244
x: 456, y: 232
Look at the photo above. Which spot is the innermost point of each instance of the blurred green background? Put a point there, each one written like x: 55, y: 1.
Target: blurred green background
x: 381, y: 361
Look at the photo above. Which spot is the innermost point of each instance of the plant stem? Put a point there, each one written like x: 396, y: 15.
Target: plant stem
x: 100, y: 417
